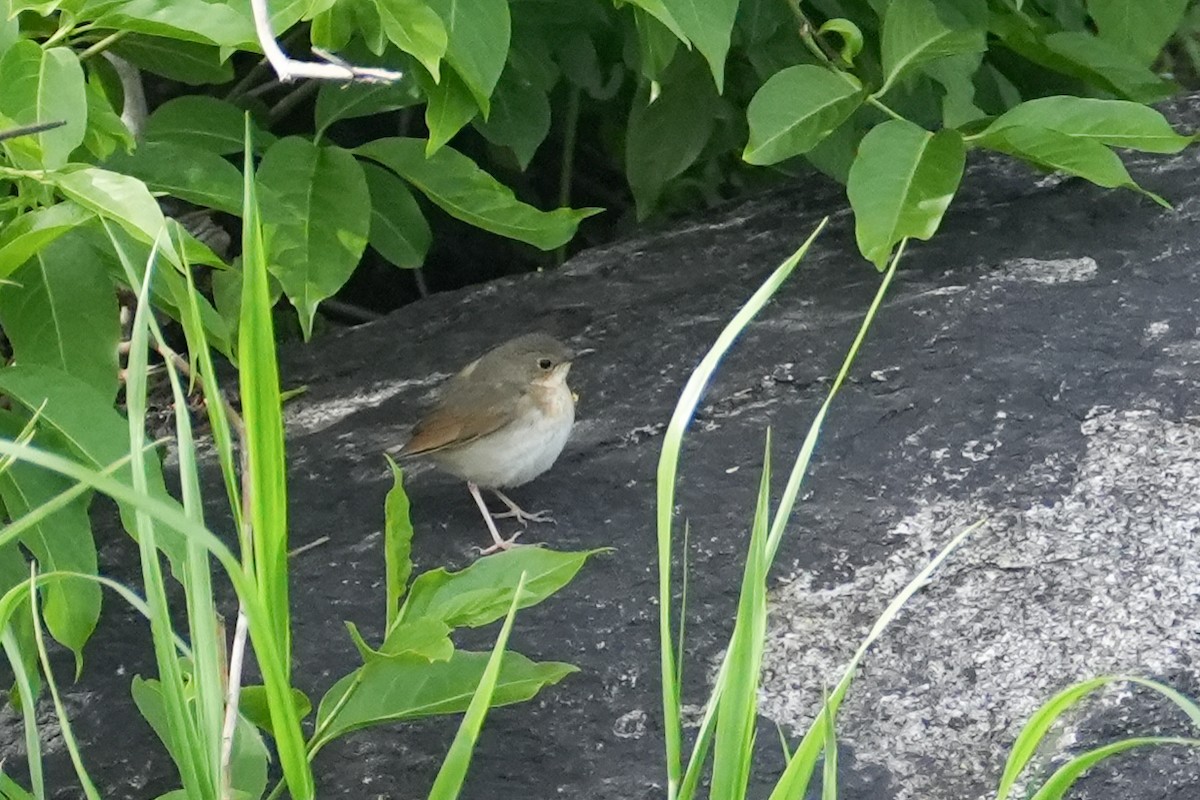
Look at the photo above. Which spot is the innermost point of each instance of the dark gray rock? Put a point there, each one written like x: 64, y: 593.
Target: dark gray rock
x: 1036, y: 364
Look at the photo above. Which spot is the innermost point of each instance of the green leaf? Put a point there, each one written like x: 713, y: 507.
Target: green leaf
x: 481, y: 593
x: 455, y: 184
x: 900, y: 185
x: 916, y: 32
x: 63, y: 314
x: 851, y: 35
x: 220, y: 24
x: 62, y: 541
x: 316, y: 210
x: 399, y: 231
x: 1116, y: 123
x: 450, y: 107
x: 201, y: 122
x: 11, y: 790
x: 44, y: 86
x: 520, y: 117
x: 1138, y: 27
x: 338, y: 101
x: 1057, y: 786
x: 32, y: 231
x: 1051, y: 150
x: 657, y: 44
x: 708, y: 24
x: 410, y: 687
x: 479, y: 32
x: 253, y: 706
x: 248, y: 765
x: 187, y: 62
x: 92, y: 429
x: 105, y: 130
x: 10, y: 34
x: 416, y: 29
x: 186, y: 172
x: 1112, y: 67
x: 123, y: 199
x: 666, y: 136
x: 427, y: 638
x: 397, y: 543
x: 797, y: 108
x: 957, y: 75
x: 758, y: 20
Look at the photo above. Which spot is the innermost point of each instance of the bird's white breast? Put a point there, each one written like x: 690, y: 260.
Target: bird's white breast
x: 521, y: 450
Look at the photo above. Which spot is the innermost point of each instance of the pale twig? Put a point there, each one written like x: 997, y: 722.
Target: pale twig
x: 289, y: 69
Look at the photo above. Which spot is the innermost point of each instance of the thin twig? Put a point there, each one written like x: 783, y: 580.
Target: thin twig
x: 289, y: 70
x: 232, y: 696
x: 304, y: 548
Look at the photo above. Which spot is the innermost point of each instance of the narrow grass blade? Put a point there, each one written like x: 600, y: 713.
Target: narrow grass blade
x: 668, y: 467
x: 64, y: 724
x: 24, y: 437
x: 1065, y: 776
x: 453, y: 771
x: 737, y: 712
x: 829, y: 776
x: 28, y: 696
x: 1039, y: 724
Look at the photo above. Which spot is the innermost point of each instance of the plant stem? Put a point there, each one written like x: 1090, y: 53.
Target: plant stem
x: 570, y: 137
x: 102, y: 45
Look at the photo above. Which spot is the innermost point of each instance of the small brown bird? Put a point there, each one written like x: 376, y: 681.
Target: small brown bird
x: 501, y: 422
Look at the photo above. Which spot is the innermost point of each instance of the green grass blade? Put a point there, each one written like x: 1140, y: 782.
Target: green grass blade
x: 64, y: 724
x: 829, y: 776
x: 28, y: 697
x: 738, y: 704
x: 453, y: 771
x: 668, y: 467
x: 25, y: 436
x: 1039, y: 724
x: 258, y: 370
x: 188, y: 747
x: 1065, y: 776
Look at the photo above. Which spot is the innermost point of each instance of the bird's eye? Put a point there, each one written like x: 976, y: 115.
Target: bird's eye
x: 545, y: 363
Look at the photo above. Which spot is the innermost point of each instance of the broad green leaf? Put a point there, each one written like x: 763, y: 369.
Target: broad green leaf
x: 10, y: 32
x: 758, y: 20
x: 520, y: 118
x: 708, y: 24
x: 248, y: 765
x: 1116, y: 123
x: 32, y: 231
x: 316, y: 211
x: 851, y: 36
x: 62, y: 541
x: 657, y: 44
x: 455, y: 184
x: 45, y: 86
x: 901, y: 184
x: 186, y: 172
x: 220, y: 24
x: 477, y: 47
x: 449, y: 108
x: 797, y: 108
x: 105, y: 130
x: 482, y: 593
x: 201, y: 122
x: 416, y: 29
x: 338, y: 101
x: 1086, y: 158
x: 123, y: 199
x: 253, y: 706
x: 659, y: 11
x: 664, y: 137
x: 63, y: 314
x: 410, y: 687
x: 187, y: 62
x: 918, y: 31
x: 91, y: 428
x: 11, y: 790
x: 1139, y: 27
x: 399, y: 231
x: 957, y: 75
x: 1114, y: 68
x: 427, y: 638
x: 397, y: 542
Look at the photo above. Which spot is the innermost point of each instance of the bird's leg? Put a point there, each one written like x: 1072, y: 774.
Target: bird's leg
x: 522, y: 516
x: 500, y: 543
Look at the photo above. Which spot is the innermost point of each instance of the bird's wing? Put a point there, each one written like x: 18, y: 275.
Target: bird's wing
x: 467, y: 412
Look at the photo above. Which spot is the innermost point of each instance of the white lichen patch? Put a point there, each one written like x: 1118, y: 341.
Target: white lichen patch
x: 306, y: 417
x: 1105, y: 580
x: 1033, y: 270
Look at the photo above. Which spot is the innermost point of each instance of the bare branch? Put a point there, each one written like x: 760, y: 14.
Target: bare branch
x: 333, y: 69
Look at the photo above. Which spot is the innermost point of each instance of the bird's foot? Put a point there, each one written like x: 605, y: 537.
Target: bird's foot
x: 525, y: 517
x: 500, y: 544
